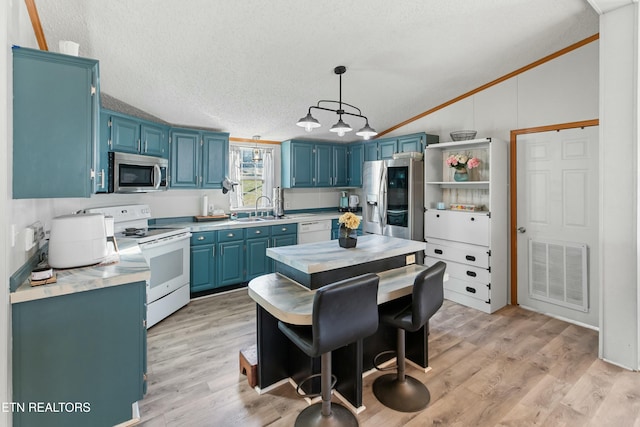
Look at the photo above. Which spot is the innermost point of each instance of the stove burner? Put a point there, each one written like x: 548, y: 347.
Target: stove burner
x: 140, y: 232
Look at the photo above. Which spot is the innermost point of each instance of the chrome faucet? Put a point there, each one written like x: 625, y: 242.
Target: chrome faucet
x: 258, y: 199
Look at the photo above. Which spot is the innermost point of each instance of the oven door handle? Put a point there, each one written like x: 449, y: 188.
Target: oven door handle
x: 165, y: 241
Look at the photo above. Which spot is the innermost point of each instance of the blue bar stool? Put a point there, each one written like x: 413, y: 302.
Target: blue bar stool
x: 399, y: 391
x: 343, y: 312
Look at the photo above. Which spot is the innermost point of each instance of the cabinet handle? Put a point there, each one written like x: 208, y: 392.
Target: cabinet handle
x: 145, y: 146
x: 201, y: 238
x: 230, y: 235
x: 258, y: 231
x: 213, y: 252
x: 473, y: 219
x: 471, y: 273
x: 138, y: 145
x: 470, y: 258
x: 294, y: 181
x: 101, y: 178
x: 470, y: 290
x: 438, y: 251
x: 284, y: 228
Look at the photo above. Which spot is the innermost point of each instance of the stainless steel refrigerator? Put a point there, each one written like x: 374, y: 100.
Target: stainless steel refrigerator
x: 394, y: 194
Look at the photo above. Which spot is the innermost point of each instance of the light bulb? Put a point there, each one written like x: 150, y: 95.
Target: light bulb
x: 366, y: 137
x: 308, y: 127
x: 340, y: 132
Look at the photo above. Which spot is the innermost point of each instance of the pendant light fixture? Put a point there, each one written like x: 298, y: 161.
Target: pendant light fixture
x: 257, y: 153
x: 309, y: 122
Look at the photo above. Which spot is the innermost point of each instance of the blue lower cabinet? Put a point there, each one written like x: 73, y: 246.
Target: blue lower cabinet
x: 82, y: 354
x: 235, y: 256
x: 230, y: 257
x: 203, y: 261
x: 283, y: 235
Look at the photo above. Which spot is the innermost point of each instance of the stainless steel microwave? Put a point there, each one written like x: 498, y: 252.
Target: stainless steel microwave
x: 133, y: 173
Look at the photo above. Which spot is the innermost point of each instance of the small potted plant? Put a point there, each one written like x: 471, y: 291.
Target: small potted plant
x: 462, y: 163
x: 348, y: 237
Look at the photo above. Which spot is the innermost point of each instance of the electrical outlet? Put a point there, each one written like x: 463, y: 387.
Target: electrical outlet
x: 287, y: 205
x: 411, y: 259
x: 29, y: 238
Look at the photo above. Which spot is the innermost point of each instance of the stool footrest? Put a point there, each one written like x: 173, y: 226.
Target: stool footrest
x: 377, y: 365
x: 334, y: 380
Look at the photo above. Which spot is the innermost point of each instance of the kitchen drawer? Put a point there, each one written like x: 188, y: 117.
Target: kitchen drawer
x: 254, y: 232
x: 478, y: 257
x: 467, y: 227
x: 469, y: 273
x: 473, y: 290
x: 280, y: 229
x: 203, y: 238
x: 230, y: 235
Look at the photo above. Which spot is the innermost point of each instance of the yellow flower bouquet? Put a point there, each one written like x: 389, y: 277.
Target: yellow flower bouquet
x: 350, y: 220
x: 348, y: 236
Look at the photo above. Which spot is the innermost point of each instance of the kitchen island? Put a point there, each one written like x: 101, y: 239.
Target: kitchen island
x: 280, y: 297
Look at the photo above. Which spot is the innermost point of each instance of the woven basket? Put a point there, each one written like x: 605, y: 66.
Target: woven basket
x: 463, y: 135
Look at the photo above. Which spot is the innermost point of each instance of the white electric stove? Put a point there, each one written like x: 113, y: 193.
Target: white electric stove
x: 165, y: 249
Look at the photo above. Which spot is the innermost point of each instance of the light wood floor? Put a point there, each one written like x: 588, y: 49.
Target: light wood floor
x: 511, y: 368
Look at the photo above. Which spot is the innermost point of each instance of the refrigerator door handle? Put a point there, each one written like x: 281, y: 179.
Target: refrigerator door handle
x: 383, y: 200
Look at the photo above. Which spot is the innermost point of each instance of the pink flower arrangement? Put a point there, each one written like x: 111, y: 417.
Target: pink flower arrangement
x: 460, y: 161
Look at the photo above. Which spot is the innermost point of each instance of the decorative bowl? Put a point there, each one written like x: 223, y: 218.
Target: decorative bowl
x: 463, y: 135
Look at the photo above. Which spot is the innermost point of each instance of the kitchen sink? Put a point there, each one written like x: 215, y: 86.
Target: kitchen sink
x: 257, y: 218
x: 251, y: 219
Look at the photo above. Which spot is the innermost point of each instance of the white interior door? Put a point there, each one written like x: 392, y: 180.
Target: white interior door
x: 557, y: 223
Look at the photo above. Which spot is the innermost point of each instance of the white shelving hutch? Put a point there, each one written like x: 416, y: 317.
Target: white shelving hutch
x: 472, y: 243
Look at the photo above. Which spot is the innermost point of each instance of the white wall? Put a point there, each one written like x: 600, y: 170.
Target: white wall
x: 15, y: 28
x: 619, y: 183
x: 562, y: 90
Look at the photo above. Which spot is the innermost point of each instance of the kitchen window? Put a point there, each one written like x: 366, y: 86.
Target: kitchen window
x: 252, y: 168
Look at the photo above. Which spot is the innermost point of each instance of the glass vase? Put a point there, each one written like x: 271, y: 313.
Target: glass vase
x: 461, y: 175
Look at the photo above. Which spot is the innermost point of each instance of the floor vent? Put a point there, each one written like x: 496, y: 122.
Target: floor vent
x: 558, y: 273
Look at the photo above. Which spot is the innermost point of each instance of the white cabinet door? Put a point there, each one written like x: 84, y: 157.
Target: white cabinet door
x: 466, y: 227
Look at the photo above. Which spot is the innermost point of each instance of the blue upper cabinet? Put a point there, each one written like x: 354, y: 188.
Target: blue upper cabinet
x: 154, y: 140
x: 297, y: 164
x: 125, y: 134
x: 185, y: 157
x: 311, y: 164
x: 323, y: 165
x: 356, y: 159
x: 387, y: 148
x: 130, y: 134
x: 340, y: 171
x: 55, y: 124
x: 215, y: 154
x: 383, y: 149
x: 198, y: 159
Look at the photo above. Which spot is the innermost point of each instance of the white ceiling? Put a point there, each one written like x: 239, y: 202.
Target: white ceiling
x: 252, y: 67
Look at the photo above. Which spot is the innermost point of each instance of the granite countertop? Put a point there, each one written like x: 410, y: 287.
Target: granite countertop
x: 131, y: 267
x: 323, y: 256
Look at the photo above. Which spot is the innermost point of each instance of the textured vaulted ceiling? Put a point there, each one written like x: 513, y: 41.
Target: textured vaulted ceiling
x: 253, y: 67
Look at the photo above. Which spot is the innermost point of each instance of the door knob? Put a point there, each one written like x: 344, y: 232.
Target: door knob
x: 521, y: 229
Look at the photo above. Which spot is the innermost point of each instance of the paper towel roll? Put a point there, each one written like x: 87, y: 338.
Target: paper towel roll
x: 205, y: 206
